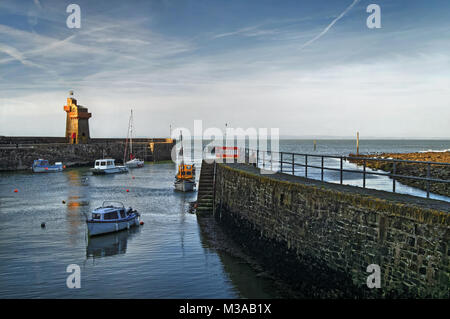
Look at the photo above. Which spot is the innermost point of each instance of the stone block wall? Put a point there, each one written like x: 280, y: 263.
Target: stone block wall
x: 21, y: 157
x: 321, y: 239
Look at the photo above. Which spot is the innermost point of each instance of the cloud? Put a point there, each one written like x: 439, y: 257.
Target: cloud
x: 328, y: 27
x: 115, y: 62
x: 17, y: 55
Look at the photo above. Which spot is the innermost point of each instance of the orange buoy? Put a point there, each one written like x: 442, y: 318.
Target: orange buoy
x: 141, y: 222
x: 64, y: 166
x: 16, y: 190
x: 133, y: 177
x: 128, y: 190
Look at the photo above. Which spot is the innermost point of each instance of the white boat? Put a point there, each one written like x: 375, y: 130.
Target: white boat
x: 133, y: 162
x: 110, y: 218
x: 107, y: 166
x: 42, y: 166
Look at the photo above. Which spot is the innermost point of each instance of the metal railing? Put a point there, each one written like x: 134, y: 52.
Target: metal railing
x: 262, y: 158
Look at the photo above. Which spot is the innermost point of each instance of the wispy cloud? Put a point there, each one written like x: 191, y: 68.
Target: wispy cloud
x: 252, y: 31
x: 16, y: 55
x: 328, y: 27
x: 161, y: 66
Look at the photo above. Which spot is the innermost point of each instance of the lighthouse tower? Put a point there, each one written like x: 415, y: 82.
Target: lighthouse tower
x: 77, y: 123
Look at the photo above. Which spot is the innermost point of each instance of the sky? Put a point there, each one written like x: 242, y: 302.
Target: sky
x: 309, y: 68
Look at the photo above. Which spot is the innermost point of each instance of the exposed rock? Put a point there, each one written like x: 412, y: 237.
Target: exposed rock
x: 413, y: 169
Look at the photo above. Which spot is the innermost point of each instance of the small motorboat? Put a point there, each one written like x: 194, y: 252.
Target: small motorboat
x: 107, y: 166
x: 185, y: 178
x: 43, y: 166
x: 111, y: 218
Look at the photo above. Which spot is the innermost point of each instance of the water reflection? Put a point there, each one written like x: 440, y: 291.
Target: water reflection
x: 110, y: 244
x: 238, y: 267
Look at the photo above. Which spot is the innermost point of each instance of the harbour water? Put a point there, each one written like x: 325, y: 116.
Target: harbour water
x: 167, y: 257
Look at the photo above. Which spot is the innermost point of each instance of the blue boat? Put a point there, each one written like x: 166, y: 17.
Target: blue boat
x: 42, y: 166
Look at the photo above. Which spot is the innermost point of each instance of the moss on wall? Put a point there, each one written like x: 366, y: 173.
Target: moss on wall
x: 338, y: 232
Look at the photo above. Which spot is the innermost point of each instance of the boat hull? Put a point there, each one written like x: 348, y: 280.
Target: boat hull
x: 185, y: 185
x: 98, y: 228
x: 49, y: 169
x: 134, y: 164
x: 113, y: 170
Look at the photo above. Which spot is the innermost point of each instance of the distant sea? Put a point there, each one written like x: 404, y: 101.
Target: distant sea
x: 345, y: 147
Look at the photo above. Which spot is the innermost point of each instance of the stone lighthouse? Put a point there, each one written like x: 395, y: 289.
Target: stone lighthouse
x: 77, y: 123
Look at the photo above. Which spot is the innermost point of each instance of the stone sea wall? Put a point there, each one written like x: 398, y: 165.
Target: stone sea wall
x: 321, y: 239
x: 21, y: 157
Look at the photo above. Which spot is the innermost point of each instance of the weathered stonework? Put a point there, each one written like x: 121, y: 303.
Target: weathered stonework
x: 321, y: 237
x: 21, y: 157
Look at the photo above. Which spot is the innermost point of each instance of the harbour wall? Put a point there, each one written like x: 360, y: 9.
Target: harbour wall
x: 321, y: 237
x: 18, y: 153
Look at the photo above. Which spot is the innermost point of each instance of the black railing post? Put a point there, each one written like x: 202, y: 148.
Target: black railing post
x: 293, y: 169
x: 393, y: 178
x: 281, y: 161
x: 428, y: 180
x: 341, y: 172
x: 264, y: 159
x: 364, y: 173
x: 321, y: 170
x: 271, y: 160
x: 306, y: 166
x: 257, y: 157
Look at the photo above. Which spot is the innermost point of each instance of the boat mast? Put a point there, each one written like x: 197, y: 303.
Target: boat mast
x: 181, y: 151
x: 126, y: 142
x: 131, y: 134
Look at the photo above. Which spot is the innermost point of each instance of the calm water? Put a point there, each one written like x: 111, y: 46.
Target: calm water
x: 165, y: 258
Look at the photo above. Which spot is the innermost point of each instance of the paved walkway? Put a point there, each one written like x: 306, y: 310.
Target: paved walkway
x: 395, y: 197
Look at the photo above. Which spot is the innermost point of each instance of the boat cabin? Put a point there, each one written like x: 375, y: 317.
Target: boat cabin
x: 105, y: 163
x: 40, y: 162
x: 109, y: 214
x: 186, y: 171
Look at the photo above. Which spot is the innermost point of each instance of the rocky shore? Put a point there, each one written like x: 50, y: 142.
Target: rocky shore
x: 414, y: 169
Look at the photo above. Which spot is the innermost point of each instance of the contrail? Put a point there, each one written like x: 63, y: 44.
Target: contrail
x: 330, y: 25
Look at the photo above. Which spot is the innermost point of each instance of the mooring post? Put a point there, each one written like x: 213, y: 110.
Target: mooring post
x: 342, y: 166
x: 428, y: 180
x: 357, y: 143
